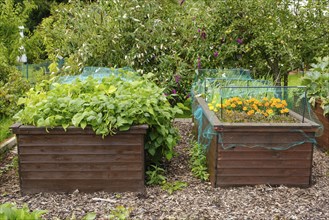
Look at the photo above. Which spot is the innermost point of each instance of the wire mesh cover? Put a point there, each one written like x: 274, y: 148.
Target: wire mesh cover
x: 125, y: 73
x: 254, y: 100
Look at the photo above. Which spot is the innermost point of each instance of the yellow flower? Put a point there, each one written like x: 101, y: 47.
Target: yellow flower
x: 284, y: 110
x: 244, y: 108
x: 211, y: 108
x: 218, y: 105
x: 269, y: 111
x: 233, y: 105
x: 250, y: 112
x: 278, y: 106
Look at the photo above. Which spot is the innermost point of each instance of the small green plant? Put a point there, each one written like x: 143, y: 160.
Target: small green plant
x: 172, y: 187
x: 12, y: 165
x: 9, y: 211
x: 120, y: 213
x: 88, y: 216
x: 198, y: 161
x: 155, y: 175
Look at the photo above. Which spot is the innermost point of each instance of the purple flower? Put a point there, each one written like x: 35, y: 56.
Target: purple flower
x: 203, y: 35
x: 239, y: 41
x: 182, y: 2
x: 177, y: 78
x: 216, y: 54
x: 199, y: 30
x: 199, y: 63
x: 174, y: 91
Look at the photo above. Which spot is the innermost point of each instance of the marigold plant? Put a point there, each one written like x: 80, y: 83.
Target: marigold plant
x: 266, y: 107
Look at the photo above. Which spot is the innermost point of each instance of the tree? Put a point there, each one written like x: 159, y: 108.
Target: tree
x: 270, y: 36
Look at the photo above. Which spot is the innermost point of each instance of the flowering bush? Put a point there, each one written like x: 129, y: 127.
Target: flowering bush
x: 238, y: 109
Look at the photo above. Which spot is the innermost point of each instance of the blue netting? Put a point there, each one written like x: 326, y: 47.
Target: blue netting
x: 216, y: 91
x: 124, y: 73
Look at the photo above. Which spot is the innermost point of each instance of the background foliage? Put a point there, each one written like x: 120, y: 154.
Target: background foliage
x: 169, y: 38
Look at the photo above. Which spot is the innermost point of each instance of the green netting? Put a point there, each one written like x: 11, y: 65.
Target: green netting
x: 124, y: 73
x: 239, y: 100
x: 206, y: 80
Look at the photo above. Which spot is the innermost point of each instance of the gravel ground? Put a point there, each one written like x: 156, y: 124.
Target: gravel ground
x: 197, y: 201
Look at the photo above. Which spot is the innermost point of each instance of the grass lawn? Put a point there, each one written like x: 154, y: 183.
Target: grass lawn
x: 295, y: 79
x: 5, y: 123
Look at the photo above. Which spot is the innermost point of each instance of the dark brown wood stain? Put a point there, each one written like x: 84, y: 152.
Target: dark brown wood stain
x: 63, y: 161
x: 258, y: 153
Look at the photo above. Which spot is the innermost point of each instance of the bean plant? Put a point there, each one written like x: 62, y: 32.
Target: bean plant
x: 108, y: 106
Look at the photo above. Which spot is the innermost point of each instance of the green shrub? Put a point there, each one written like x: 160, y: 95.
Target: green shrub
x: 12, y: 86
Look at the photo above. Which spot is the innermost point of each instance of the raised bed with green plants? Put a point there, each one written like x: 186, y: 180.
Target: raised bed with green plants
x: 317, y: 82
x: 112, y: 109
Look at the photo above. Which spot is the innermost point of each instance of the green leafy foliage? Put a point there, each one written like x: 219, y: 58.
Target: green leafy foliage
x: 13, y: 86
x: 174, y: 186
x: 111, y: 105
x: 317, y: 82
x: 155, y: 175
x: 5, y: 123
x: 120, y: 213
x: 9, y: 211
x: 198, y: 161
x: 171, y: 39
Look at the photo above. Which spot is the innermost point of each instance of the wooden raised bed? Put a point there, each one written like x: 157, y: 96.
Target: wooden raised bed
x: 323, y: 140
x: 63, y: 161
x: 239, y: 153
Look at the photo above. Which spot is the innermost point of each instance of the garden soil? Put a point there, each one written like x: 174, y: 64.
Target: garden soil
x: 196, y: 201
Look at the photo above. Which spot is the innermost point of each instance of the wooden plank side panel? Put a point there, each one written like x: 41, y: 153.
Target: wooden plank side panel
x: 65, y: 162
x: 82, y: 140
x: 266, y: 146
x: 29, y: 129
x: 265, y: 155
x: 83, y: 185
x: 78, y: 149
x: 256, y: 172
x: 252, y: 166
x: 82, y: 166
x: 260, y: 163
x: 66, y: 175
x: 44, y: 158
x: 301, y: 181
x: 266, y: 136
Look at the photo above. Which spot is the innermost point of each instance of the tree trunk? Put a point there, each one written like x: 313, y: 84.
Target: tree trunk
x: 285, y: 78
x: 274, y: 65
